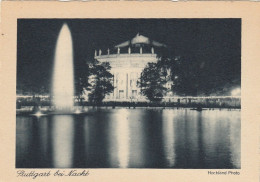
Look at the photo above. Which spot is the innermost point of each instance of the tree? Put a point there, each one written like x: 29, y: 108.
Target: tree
x: 152, y: 82
x: 186, y: 76
x: 81, y: 81
x: 100, y: 81
x: 193, y: 77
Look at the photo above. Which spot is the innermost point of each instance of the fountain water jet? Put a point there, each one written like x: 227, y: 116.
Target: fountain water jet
x: 63, y: 76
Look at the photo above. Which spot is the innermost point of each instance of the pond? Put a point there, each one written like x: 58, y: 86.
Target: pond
x: 130, y: 138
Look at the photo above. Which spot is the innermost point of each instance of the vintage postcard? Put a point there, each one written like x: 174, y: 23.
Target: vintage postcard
x: 130, y: 91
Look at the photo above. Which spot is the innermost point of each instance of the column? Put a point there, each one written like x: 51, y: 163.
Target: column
x: 114, y: 84
x: 126, y: 91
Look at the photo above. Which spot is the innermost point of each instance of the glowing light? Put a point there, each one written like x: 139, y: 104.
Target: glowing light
x: 78, y: 111
x: 38, y: 114
x: 236, y: 92
x: 63, y: 81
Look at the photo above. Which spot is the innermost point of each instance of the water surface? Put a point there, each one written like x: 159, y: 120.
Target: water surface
x: 130, y: 138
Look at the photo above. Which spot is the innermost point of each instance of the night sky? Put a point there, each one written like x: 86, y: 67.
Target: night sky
x: 216, y: 42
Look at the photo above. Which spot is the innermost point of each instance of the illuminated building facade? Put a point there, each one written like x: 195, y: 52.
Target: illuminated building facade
x: 127, y: 63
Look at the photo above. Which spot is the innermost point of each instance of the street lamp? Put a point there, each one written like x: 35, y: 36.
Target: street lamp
x: 236, y: 92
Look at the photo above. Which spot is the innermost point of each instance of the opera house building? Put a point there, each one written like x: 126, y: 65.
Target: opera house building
x: 127, y: 62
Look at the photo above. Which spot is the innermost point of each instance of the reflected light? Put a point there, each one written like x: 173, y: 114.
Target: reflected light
x: 235, y: 141
x: 43, y: 125
x: 123, y: 138
x: 168, y: 137
x: 63, y: 141
x: 23, y: 139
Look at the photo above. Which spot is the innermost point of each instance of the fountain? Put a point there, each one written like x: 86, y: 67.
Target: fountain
x: 63, y: 76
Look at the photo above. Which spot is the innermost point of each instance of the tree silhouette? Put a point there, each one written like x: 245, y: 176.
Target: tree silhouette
x: 193, y: 77
x: 100, y: 81
x: 81, y: 81
x: 152, y: 82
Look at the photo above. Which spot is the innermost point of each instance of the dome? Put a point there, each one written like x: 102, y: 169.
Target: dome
x: 140, y: 40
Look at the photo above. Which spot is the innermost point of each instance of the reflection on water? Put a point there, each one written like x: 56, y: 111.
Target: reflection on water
x: 138, y: 143
x: 23, y: 140
x: 123, y: 138
x: 235, y: 143
x: 119, y: 139
x: 62, y: 137
x: 130, y: 138
x: 43, y: 137
x: 168, y: 137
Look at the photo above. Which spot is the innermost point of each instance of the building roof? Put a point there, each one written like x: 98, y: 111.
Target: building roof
x: 140, y: 39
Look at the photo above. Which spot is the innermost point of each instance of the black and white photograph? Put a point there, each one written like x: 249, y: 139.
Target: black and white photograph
x: 160, y: 93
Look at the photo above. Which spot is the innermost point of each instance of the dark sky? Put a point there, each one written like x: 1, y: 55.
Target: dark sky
x: 213, y: 41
